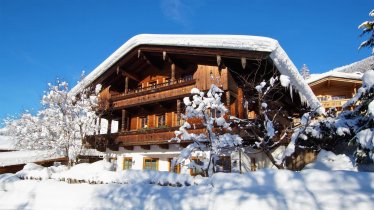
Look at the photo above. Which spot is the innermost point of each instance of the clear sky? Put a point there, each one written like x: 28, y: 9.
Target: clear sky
x: 41, y: 40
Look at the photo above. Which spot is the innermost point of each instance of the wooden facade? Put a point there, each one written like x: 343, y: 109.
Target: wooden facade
x: 334, y: 91
x: 144, y: 90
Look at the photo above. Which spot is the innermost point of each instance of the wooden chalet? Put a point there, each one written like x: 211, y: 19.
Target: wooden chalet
x: 144, y: 83
x: 333, y: 89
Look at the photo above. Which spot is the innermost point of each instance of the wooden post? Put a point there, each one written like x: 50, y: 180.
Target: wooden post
x: 240, y: 103
x: 109, y: 129
x: 127, y: 123
x: 123, y: 121
x: 126, y: 84
x: 172, y: 77
x: 228, y: 101
x: 178, y: 111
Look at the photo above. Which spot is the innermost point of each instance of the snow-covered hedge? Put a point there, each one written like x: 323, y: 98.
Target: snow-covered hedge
x: 102, y: 172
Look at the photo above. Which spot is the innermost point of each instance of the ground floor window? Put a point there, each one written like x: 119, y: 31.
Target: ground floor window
x: 176, y: 169
x: 223, y: 164
x: 196, y: 170
x: 127, y: 163
x: 150, y: 164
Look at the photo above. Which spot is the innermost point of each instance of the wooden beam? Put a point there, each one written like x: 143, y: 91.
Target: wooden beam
x: 123, y: 120
x: 200, y: 51
x: 148, y: 61
x: 126, y: 84
x: 172, y: 76
x: 129, y: 147
x: 167, y: 58
x: 164, y: 146
x: 145, y: 147
x: 240, y: 103
x: 131, y: 76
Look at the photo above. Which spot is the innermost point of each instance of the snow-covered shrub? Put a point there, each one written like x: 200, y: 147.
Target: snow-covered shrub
x: 211, y: 112
x: 62, y: 124
x: 34, y: 171
x: 327, y: 160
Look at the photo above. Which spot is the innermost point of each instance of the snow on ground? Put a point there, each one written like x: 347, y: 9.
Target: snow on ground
x: 264, y: 189
x: 22, y: 157
x: 327, y: 160
x: 6, y: 143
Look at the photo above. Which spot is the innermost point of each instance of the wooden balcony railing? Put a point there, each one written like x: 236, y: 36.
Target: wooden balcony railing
x: 157, y: 87
x: 154, y: 95
x: 150, y: 136
x: 334, y: 103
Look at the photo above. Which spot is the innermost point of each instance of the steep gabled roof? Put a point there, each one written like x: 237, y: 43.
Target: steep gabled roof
x: 334, y: 74
x: 359, y: 66
x: 234, y: 42
x: 353, y: 71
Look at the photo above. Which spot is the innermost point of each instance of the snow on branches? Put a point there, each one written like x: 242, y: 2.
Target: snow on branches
x: 63, y: 122
x: 210, y: 112
x: 367, y: 27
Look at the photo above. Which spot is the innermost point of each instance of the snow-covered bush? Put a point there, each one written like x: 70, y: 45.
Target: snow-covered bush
x: 38, y: 172
x: 62, y: 124
x: 327, y: 160
x: 211, y: 112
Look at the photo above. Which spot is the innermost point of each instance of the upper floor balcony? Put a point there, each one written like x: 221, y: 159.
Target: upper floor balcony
x: 334, y: 103
x: 154, y: 93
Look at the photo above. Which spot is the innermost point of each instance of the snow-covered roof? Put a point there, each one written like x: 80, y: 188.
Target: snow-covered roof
x: 351, y: 71
x: 316, y: 77
x: 359, y: 66
x: 234, y: 42
x: 23, y: 157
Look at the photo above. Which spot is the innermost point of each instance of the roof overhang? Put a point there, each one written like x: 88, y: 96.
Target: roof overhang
x: 231, y: 42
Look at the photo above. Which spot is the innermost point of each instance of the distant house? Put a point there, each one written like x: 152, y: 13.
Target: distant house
x: 145, y: 80
x: 335, y: 87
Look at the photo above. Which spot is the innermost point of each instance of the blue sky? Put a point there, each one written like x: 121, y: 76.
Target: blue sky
x: 41, y: 40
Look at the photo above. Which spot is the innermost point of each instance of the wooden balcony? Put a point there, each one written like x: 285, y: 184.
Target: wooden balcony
x: 143, y: 137
x: 150, y: 136
x: 159, y: 92
x: 334, y: 103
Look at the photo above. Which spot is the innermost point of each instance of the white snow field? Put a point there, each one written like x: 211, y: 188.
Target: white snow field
x: 265, y: 189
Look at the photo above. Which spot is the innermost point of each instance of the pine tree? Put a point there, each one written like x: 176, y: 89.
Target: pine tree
x: 368, y: 27
x: 304, y: 71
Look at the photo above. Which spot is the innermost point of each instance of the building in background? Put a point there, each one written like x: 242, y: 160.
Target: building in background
x: 335, y: 87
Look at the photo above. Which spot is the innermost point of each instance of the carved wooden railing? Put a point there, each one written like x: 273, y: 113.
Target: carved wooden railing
x: 334, y: 103
x: 153, y: 88
x: 151, y: 136
x: 154, y: 95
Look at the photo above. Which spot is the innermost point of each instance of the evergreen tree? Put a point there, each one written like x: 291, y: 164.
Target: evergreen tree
x: 304, y: 71
x: 368, y: 27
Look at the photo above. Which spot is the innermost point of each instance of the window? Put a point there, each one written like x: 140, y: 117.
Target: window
x: 196, y: 169
x: 127, y: 163
x: 215, y: 113
x: 161, y: 120
x: 176, y: 169
x: 150, y: 164
x: 223, y: 164
x: 143, y: 122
